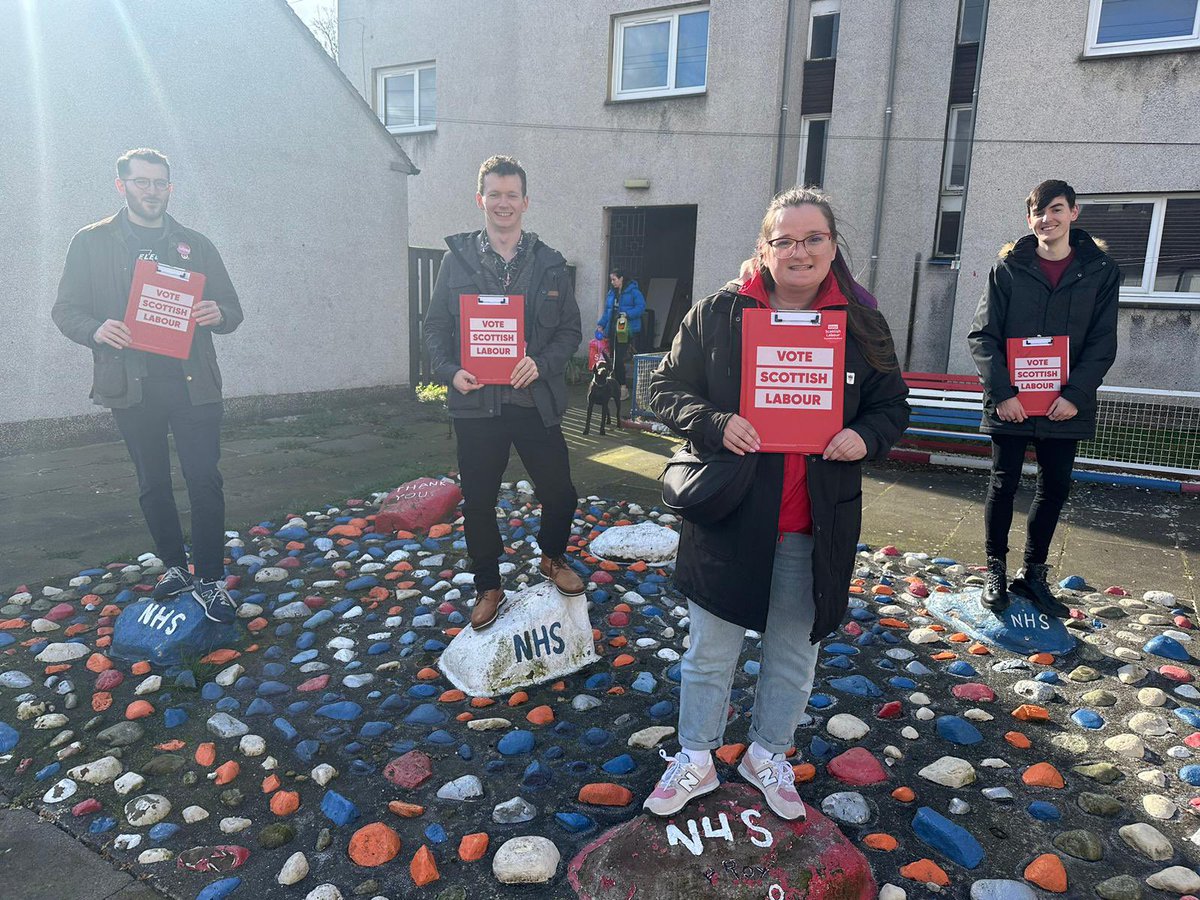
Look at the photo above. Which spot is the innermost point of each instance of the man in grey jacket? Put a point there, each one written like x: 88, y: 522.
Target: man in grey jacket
x: 527, y: 413
x: 150, y: 394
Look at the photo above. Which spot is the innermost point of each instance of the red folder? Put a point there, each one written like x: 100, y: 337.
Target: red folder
x: 492, y: 332
x: 1038, y: 366
x: 793, y: 376
x: 159, y: 312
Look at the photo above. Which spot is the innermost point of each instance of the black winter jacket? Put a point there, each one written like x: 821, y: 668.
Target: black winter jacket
x: 95, y: 286
x: 726, y: 568
x: 552, y: 327
x: 1018, y: 302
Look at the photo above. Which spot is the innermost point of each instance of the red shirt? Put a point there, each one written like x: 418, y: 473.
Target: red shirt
x: 1053, y: 268
x: 795, y: 508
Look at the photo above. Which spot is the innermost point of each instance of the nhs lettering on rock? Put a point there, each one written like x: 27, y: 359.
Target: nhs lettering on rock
x: 538, y: 642
x: 161, y: 618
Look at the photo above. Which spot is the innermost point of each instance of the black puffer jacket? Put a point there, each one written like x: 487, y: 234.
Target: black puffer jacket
x: 1019, y: 302
x: 726, y: 568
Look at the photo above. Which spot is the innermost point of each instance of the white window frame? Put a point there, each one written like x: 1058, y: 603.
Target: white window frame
x: 620, y: 23
x: 948, y: 151
x: 948, y: 202
x: 381, y: 76
x: 1152, y: 45
x: 805, y: 135
x: 1145, y: 294
x: 821, y: 8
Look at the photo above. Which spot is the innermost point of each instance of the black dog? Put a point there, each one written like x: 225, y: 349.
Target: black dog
x: 603, y: 389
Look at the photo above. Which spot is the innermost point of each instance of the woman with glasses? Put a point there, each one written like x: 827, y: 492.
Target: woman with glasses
x: 781, y: 562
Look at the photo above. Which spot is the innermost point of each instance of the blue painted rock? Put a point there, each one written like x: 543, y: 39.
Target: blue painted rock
x: 739, y: 851
x: 169, y: 634
x: 1021, y: 628
x: 416, y: 505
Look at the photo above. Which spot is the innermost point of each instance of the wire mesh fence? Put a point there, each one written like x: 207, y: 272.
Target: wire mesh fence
x: 1136, y: 430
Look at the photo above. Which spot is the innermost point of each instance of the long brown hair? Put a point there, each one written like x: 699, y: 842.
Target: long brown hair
x: 867, y: 326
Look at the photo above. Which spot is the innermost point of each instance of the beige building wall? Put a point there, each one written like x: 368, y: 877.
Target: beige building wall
x: 274, y: 157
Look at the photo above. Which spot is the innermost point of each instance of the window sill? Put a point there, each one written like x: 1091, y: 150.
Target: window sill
x: 1093, y: 55
x: 1160, y: 301
x: 419, y: 129
x: 941, y: 262
x: 642, y: 98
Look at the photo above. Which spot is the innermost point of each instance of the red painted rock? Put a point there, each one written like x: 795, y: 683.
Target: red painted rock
x: 317, y: 683
x: 410, y: 770
x: 740, y: 851
x: 890, y: 710
x: 976, y: 693
x: 109, y: 679
x: 417, y: 505
x: 86, y: 807
x: 856, y: 766
x: 1175, y: 673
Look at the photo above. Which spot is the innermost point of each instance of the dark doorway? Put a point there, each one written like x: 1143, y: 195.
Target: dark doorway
x: 656, y: 245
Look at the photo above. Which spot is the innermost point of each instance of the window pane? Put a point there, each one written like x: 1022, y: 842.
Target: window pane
x: 959, y: 151
x: 947, y: 242
x: 814, y: 153
x: 1179, y: 249
x: 398, y: 100
x: 692, y: 47
x: 644, y: 56
x: 1126, y: 229
x: 1140, y: 20
x: 972, y: 22
x: 428, y: 97
x: 824, y: 36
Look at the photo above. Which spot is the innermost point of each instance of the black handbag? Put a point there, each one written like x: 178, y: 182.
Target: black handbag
x: 704, y: 487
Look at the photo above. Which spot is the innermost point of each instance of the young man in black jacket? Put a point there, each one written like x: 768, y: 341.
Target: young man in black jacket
x: 150, y: 394
x: 1055, y: 281
x: 502, y: 259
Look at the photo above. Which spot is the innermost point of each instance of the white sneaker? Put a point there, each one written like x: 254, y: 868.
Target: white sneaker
x: 775, y: 778
x: 683, y: 782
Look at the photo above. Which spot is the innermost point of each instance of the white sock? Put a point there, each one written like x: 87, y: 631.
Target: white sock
x: 761, y: 753
x: 701, y: 758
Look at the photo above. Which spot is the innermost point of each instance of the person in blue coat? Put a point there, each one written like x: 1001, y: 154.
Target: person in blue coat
x: 621, y: 322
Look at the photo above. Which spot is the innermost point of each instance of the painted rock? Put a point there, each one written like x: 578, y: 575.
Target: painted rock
x: 224, y: 858
x: 628, y: 543
x: 168, y: 634
x: 723, y: 844
x: 416, y: 505
x: 538, y: 636
x: 1021, y: 627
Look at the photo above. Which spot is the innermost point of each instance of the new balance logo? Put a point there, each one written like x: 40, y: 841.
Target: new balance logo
x: 688, y: 781
x: 767, y: 777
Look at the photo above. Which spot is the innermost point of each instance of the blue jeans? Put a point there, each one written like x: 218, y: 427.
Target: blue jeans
x: 789, y: 661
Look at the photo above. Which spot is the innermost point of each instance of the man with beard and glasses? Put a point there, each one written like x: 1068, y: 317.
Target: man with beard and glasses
x: 151, y: 394
x: 527, y: 413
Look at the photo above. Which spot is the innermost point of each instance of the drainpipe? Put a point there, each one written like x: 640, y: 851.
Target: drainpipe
x: 783, y: 100
x: 962, y: 217
x: 887, y: 139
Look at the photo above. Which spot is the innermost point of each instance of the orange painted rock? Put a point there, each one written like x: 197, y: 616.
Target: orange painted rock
x: 540, y: 715
x: 623, y: 660
x: 904, y: 794
x: 1047, y: 872
x: 422, y: 868
x: 138, y: 709
x: 373, y: 845
x: 271, y: 783
x: 206, y: 754
x: 730, y: 753
x: 602, y: 793
x: 452, y: 696
x: 406, y: 810
x: 925, y: 870
x: 518, y: 698
x: 1027, y: 712
x: 140, y: 668
x: 101, y: 701
x: 804, y: 772
x: 1017, y: 739
x: 1043, y: 775
x: 880, y: 841
x: 284, y: 803
x: 226, y: 772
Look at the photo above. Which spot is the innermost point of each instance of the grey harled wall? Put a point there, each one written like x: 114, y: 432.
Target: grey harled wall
x: 274, y: 159
x: 1036, y: 89
x: 545, y: 68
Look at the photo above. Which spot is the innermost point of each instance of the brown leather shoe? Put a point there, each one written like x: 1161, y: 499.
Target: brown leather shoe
x: 486, y: 608
x: 556, y: 569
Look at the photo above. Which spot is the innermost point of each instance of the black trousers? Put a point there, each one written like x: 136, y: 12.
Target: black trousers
x: 1055, y: 459
x: 483, y: 449
x: 165, y: 406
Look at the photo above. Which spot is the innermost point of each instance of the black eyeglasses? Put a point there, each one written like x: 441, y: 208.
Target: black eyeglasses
x: 814, y: 243
x: 143, y: 184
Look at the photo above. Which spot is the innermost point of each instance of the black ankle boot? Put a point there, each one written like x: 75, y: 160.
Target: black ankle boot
x: 995, y: 589
x: 1031, y: 584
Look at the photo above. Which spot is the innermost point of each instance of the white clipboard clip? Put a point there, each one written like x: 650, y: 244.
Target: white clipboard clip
x: 172, y: 272
x: 795, y: 317
x: 492, y: 300
x: 1038, y: 341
